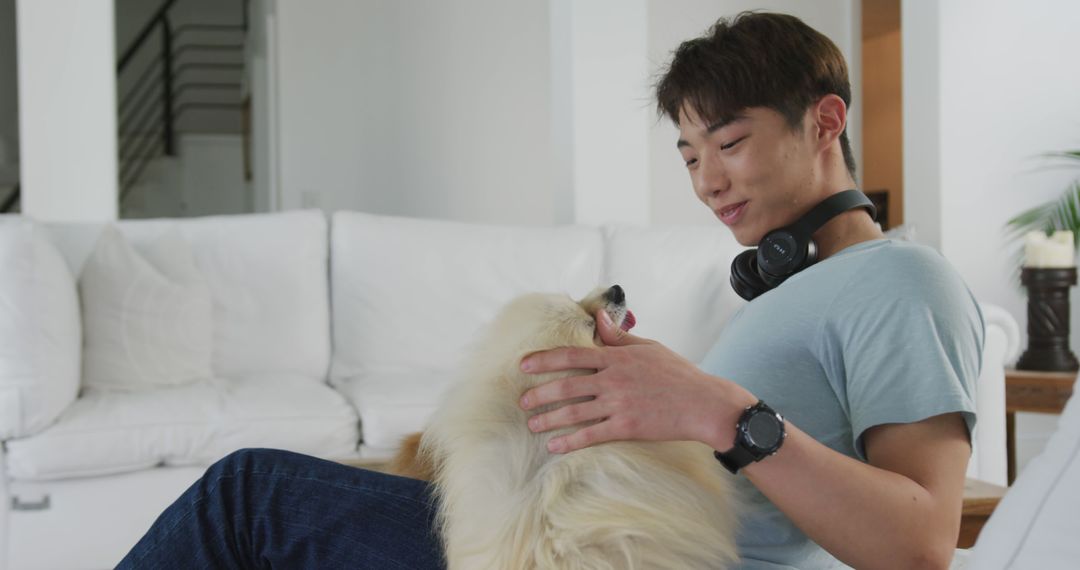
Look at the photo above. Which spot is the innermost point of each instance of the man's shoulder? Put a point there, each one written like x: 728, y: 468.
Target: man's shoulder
x: 896, y: 262
x: 900, y: 275
x: 906, y: 252
x: 870, y: 277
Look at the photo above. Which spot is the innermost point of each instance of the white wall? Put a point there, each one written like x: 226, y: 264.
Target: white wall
x: 260, y: 64
x: 67, y: 110
x: 333, y: 142
x: 429, y: 109
x: 497, y: 111
x: 920, y: 41
x: 602, y: 108
x: 673, y: 21
x: 1002, y: 92
x: 977, y: 122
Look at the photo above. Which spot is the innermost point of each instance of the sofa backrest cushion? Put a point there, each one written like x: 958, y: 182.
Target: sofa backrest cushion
x: 268, y: 280
x: 676, y: 282
x: 410, y: 294
x: 40, y: 332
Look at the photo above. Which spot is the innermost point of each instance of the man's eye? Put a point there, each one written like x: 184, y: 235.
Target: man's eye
x: 732, y: 143
x: 691, y: 162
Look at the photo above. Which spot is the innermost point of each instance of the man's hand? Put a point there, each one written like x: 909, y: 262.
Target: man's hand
x: 641, y: 391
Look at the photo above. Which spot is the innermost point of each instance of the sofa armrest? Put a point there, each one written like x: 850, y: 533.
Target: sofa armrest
x: 988, y: 459
x: 40, y: 330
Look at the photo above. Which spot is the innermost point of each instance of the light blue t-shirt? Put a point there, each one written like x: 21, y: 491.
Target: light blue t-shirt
x: 881, y: 332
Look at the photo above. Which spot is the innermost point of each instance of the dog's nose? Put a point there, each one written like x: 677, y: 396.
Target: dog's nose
x: 615, y: 295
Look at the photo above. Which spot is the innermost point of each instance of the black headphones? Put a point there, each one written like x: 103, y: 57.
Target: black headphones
x: 790, y: 249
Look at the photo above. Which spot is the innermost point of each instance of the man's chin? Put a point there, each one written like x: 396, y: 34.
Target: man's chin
x: 745, y: 238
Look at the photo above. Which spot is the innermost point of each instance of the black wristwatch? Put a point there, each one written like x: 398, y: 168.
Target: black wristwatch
x: 758, y: 434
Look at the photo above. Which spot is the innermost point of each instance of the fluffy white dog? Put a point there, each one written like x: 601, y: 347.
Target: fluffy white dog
x: 506, y: 503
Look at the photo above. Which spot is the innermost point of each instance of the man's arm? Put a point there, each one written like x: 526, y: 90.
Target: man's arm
x: 902, y: 510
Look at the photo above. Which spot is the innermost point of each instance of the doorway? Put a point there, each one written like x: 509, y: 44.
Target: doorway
x: 882, y: 120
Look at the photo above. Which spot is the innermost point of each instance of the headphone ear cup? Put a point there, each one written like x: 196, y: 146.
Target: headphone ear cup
x: 745, y: 278
x: 803, y: 255
x: 780, y: 254
x: 771, y: 281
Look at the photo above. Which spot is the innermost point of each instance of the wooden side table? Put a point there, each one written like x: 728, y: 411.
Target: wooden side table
x: 1032, y: 391
x: 980, y: 500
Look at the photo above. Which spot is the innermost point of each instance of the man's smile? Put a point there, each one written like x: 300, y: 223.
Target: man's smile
x: 731, y: 214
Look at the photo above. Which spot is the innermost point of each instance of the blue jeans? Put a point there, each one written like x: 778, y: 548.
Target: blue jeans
x: 264, y: 508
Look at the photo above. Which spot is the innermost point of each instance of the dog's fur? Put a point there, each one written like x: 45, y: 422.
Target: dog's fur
x: 506, y: 503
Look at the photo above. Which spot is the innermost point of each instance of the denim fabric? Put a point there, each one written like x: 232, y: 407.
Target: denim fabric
x: 264, y: 508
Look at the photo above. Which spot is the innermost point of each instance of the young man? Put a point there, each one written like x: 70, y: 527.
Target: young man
x: 870, y: 354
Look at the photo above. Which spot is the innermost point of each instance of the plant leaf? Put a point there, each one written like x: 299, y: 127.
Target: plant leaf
x: 1068, y: 154
x: 1060, y: 214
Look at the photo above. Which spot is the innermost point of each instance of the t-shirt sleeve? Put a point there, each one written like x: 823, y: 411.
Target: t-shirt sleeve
x: 904, y: 344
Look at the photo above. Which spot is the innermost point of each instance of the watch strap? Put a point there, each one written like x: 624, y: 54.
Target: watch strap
x: 744, y: 453
x: 735, y: 458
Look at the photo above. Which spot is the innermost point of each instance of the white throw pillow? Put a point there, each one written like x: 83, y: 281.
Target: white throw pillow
x: 146, y: 321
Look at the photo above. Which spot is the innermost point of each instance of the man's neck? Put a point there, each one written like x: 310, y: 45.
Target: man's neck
x: 845, y: 230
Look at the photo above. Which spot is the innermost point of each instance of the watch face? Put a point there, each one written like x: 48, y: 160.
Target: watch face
x: 763, y: 430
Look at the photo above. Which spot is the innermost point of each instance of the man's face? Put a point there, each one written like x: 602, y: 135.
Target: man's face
x: 755, y: 173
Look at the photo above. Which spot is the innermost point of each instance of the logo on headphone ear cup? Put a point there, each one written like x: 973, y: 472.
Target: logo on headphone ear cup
x: 745, y: 278
x: 780, y: 254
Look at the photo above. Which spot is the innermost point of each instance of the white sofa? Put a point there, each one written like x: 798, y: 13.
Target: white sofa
x: 1035, y: 525
x: 332, y: 337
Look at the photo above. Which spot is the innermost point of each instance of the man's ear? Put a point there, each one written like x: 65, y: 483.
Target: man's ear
x: 830, y: 118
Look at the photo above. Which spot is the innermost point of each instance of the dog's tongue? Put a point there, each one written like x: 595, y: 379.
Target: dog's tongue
x: 628, y: 322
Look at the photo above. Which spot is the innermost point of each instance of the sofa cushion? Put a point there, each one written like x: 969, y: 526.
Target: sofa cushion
x: 393, y: 405
x: 106, y: 432
x: 268, y: 279
x: 146, y: 321
x: 419, y: 314
x: 1034, y: 526
x: 40, y: 332
x: 676, y: 282
x: 401, y: 327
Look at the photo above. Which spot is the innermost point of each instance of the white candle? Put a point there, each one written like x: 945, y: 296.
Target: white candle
x: 1054, y: 251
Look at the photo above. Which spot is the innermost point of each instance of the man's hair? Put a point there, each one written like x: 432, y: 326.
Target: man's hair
x: 756, y: 59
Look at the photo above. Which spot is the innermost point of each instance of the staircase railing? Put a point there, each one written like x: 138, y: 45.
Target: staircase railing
x: 163, y: 90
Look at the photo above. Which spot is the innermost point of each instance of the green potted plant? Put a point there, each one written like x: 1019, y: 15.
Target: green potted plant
x: 1062, y: 213
x: 1048, y: 284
